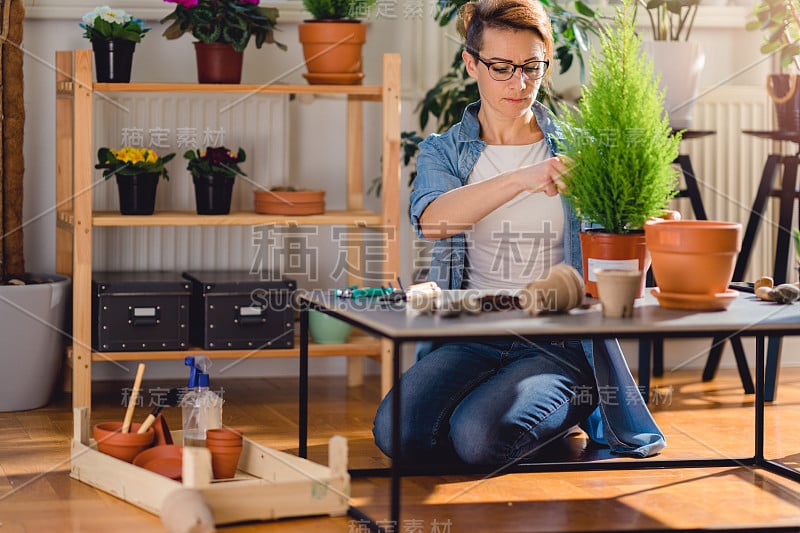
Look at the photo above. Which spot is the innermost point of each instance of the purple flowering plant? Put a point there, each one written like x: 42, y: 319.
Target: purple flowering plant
x: 215, y: 161
x: 231, y: 22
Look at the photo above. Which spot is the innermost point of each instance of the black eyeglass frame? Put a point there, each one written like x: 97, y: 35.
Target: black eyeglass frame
x: 513, y: 66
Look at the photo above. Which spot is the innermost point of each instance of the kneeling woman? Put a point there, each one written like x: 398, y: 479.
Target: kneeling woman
x: 488, y: 193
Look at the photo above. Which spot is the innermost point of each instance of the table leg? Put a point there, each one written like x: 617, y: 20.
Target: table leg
x: 395, y: 484
x: 773, y: 368
x: 759, y: 444
x: 788, y: 190
x: 756, y: 212
x: 303, y: 402
x: 692, y: 190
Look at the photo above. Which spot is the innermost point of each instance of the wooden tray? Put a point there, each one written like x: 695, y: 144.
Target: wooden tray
x: 269, y: 484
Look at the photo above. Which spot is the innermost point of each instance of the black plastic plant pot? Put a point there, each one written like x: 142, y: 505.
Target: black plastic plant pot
x: 113, y: 60
x: 137, y: 193
x: 213, y: 194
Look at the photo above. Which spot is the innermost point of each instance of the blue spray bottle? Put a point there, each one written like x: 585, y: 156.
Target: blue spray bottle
x: 202, y: 408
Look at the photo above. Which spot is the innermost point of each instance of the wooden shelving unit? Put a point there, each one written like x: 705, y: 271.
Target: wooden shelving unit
x: 75, y: 220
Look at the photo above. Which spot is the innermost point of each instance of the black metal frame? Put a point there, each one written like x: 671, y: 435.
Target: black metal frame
x: 396, y: 471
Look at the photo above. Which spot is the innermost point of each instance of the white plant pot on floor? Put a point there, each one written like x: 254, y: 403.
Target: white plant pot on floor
x: 32, y: 319
x: 680, y: 64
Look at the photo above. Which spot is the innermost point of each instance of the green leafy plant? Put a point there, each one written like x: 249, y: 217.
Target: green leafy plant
x: 107, y: 24
x: 445, y: 102
x: 231, y: 22
x: 131, y: 160
x: 618, y: 145
x: 780, y: 21
x: 338, y: 9
x: 215, y: 161
x: 671, y: 20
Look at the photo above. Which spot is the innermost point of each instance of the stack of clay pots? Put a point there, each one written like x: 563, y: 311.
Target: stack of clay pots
x: 225, y: 445
x: 693, y: 262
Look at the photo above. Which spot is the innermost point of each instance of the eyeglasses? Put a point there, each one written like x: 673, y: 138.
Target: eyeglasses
x: 505, y: 70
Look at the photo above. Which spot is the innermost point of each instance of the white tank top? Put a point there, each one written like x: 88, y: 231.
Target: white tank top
x: 520, y: 240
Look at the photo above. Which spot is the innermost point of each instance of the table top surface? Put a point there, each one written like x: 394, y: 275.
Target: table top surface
x: 793, y: 136
x: 746, y: 315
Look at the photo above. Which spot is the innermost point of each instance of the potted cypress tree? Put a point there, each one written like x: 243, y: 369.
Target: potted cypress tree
x: 619, y: 149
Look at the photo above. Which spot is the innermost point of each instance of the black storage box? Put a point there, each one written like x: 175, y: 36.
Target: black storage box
x: 241, y: 311
x: 140, y: 311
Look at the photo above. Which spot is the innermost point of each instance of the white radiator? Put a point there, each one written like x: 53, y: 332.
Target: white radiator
x: 169, y: 123
x: 728, y: 165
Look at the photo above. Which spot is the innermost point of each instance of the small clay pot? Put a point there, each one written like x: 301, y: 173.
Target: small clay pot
x: 166, y: 460
x: 617, y: 290
x: 225, y: 445
x: 123, y: 446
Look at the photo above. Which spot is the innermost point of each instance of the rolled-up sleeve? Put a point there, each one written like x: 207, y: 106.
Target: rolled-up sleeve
x: 436, y: 174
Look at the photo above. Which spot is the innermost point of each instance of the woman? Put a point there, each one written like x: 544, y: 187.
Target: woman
x: 487, y: 192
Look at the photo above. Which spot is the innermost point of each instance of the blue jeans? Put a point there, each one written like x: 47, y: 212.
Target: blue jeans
x: 488, y: 403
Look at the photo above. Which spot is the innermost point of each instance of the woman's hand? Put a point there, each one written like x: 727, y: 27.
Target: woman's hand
x: 545, y: 176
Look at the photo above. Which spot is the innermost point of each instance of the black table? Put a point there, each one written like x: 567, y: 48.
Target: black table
x: 746, y: 316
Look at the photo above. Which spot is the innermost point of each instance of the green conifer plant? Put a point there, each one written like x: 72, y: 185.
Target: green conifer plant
x: 618, y: 144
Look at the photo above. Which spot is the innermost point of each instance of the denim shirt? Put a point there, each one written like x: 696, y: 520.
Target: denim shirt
x: 445, y: 161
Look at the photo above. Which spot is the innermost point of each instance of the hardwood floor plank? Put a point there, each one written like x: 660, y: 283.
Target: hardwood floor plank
x: 712, y: 419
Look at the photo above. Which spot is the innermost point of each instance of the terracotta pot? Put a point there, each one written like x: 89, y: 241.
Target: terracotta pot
x: 225, y: 445
x: 693, y: 256
x: 613, y: 252
x: 332, y: 51
x: 166, y: 460
x: 218, y: 63
x: 290, y: 202
x: 123, y: 446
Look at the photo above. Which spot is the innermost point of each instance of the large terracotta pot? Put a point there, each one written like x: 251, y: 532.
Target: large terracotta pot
x: 693, y: 256
x: 612, y: 252
x: 218, y: 63
x: 332, y: 51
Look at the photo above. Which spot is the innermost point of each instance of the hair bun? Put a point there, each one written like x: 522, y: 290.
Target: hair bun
x: 465, y: 13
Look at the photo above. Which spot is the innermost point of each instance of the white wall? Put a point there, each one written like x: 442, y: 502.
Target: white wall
x: 732, y: 58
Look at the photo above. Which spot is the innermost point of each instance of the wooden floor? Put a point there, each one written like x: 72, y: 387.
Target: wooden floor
x: 700, y: 420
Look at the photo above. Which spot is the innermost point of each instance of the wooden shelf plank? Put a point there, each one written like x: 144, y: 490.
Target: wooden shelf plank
x: 357, y: 347
x: 266, y: 88
x: 239, y: 218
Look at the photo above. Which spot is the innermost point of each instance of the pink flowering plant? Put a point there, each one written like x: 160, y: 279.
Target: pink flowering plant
x: 231, y: 22
x: 215, y: 161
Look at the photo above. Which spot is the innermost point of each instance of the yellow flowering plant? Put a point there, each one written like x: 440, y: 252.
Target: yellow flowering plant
x: 130, y: 161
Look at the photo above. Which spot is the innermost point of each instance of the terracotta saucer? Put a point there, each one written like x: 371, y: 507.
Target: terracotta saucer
x: 166, y: 460
x: 695, y: 302
x: 353, y: 78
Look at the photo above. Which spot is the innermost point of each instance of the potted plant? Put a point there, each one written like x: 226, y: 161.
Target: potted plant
x: 114, y: 34
x: 332, y: 40
x: 137, y: 171
x: 32, y: 305
x: 223, y: 29
x: 678, y: 60
x: 780, y: 21
x: 618, y: 148
x: 213, y: 171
